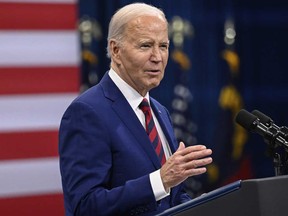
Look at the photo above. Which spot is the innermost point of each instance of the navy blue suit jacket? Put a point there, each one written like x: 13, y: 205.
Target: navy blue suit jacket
x: 106, y: 156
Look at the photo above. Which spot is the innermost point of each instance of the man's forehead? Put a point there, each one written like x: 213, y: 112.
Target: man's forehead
x: 147, y: 22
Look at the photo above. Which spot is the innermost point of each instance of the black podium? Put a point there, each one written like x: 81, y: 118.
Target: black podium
x: 255, y: 197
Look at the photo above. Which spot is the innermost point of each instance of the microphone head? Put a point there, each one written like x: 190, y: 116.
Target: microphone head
x: 263, y: 118
x: 247, y: 120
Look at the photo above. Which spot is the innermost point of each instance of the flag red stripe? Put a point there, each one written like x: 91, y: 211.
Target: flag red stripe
x: 39, y: 80
x: 44, y: 205
x: 37, y: 16
x: 23, y: 145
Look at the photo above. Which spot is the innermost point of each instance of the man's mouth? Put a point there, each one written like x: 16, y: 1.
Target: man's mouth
x: 153, y: 71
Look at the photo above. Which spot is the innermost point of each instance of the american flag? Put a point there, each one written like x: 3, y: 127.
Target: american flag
x: 39, y: 77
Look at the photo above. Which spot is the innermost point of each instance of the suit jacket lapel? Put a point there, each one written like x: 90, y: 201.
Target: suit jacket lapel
x: 121, y: 106
x: 165, y: 125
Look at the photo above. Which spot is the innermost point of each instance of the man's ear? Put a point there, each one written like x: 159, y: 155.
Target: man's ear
x: 115, y: 51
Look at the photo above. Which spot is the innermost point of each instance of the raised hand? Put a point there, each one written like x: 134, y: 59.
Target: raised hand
x: 185, y: 162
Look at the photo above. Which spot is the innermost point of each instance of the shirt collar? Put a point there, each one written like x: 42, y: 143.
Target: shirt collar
x: 131, y: 95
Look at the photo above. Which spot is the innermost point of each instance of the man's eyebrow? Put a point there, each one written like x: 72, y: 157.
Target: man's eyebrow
x: 164, y: 42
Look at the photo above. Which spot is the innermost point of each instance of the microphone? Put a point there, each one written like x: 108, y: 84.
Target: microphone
x: 270, y: 123
x: 252, y: 123
x: 264, y: 119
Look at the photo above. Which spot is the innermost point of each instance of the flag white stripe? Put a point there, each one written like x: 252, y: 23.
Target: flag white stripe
x: 39, y: 48
x: 29, y: 177
x: 41, y: 1
x: 33, y: 112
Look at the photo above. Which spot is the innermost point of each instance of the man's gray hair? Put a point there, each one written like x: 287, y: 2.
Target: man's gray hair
x: 126, y: 14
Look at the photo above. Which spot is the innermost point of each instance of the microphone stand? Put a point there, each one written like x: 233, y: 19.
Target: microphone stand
x: 279, y: 152
x: 277, y: 164
x: 280, y: 162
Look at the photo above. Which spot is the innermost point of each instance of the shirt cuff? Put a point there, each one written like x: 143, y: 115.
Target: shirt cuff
x: 157, y: 186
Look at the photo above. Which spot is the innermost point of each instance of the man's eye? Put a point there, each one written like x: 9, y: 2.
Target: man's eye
x: 145, y: 45
x: 164, y: 46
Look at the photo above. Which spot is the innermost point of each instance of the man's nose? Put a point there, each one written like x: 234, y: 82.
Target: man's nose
x: 156, y: 54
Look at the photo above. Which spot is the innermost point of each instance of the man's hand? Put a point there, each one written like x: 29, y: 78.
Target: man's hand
x: 185, y: 162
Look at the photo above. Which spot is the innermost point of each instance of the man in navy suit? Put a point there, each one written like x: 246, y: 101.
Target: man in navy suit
x: 108, y: 164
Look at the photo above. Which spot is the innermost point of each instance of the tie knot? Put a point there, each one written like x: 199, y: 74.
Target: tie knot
x: 144, y: 105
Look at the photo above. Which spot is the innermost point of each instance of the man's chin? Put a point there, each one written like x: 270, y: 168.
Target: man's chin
x: 154, y: 85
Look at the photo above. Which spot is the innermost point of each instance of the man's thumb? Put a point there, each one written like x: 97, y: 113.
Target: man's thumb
x: 181, y: 146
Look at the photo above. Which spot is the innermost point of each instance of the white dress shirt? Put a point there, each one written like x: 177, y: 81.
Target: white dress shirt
x: 134, y: 99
